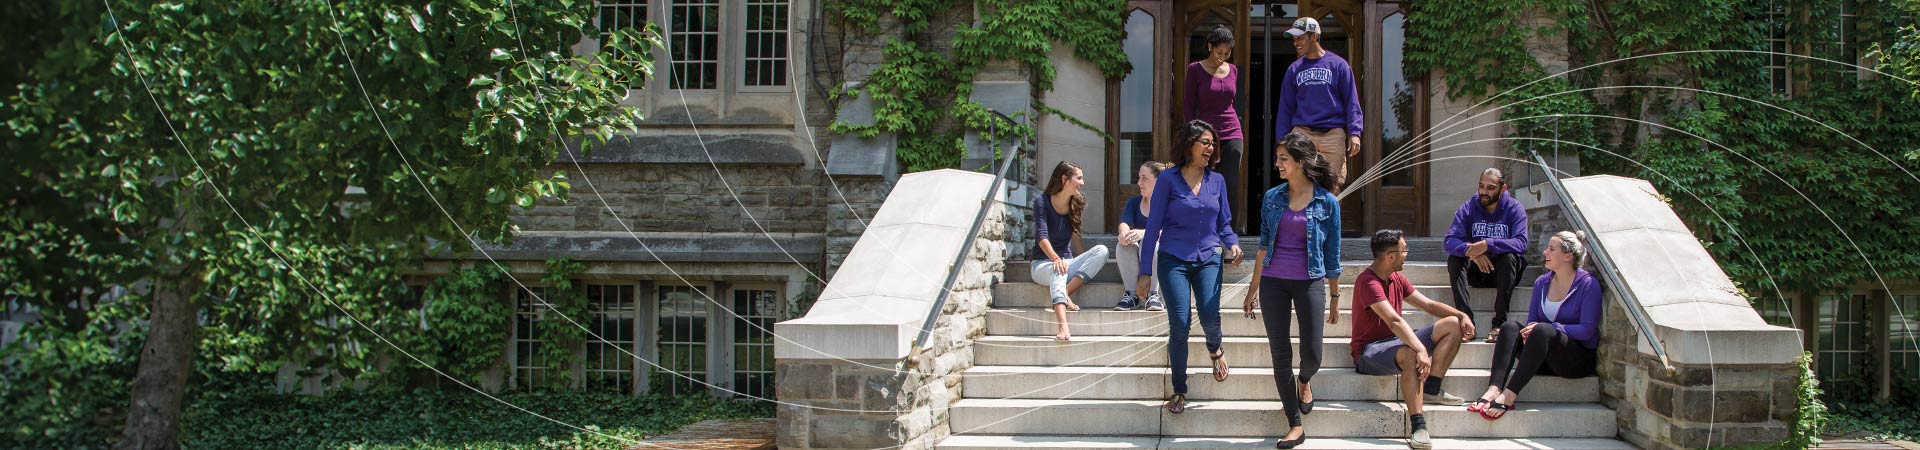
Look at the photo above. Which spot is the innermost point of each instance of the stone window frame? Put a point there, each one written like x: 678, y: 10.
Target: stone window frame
x: 1843, y: 331
x: 518, y: 297
x: 783, y: 37
x: 663, y: 104
x: 589, y: 366
x: 735, y: 327
x: 1909, y: 303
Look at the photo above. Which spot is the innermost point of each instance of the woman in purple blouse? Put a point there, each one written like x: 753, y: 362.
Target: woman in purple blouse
x: 1212, y: 85
x: 1190, y: 226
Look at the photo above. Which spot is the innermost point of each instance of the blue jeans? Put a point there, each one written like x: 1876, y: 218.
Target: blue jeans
x: 1187, y: 285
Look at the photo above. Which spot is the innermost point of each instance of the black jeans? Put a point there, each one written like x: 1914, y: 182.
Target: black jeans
x: 1546, y: 352
x: 1279, y: 299
x: 1462, y: 274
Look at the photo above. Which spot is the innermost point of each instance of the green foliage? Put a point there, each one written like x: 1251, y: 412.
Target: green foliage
x: 251, y: 416
x: 461, y: 313
x: 1789, y: 206
x: 921, y: 94
x: 1875, y: 421
x: 229, y: 145
x: 1810, y: 416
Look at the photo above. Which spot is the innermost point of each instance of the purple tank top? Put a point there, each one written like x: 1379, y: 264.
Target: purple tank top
x: 1289, y: 248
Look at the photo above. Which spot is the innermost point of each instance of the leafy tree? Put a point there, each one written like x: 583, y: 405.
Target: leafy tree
x: 242, y: 176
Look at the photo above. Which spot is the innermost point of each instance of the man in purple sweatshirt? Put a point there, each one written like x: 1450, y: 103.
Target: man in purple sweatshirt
x: 1319, y: 99
x: 1487, y: 246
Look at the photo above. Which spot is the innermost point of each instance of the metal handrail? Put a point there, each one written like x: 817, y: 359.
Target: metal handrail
x: 966, y: 247
x: 1608, y: 270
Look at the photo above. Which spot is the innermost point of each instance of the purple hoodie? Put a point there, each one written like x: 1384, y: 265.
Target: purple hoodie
x: 1579, y: 317
x: 1504, y: 229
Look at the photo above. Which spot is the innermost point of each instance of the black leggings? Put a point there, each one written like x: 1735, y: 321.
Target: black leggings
x: 1279, y: 299
x: 1546, y: 352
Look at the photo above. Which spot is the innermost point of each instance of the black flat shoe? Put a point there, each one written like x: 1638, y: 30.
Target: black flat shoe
x: 1306, y: 408
x: 1291, y: 443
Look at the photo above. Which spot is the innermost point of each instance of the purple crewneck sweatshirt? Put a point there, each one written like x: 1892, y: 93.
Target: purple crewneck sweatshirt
x: 1210, y: 99
x: 1318, y: 93
x: 1504, y: 229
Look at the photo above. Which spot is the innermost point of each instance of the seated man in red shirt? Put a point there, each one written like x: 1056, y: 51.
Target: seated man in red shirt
x: 1385, y: 344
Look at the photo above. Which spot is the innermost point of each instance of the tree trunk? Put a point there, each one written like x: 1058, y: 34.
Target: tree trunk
x: 160, y: 385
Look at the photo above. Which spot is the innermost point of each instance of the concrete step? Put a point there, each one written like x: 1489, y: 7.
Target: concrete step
x: 1106, y: 322
x: 1249, y: 383
x: 1105, y: 295
x: 1151, y: 351
x: 1264, y: 419
x: 1418, y: 272
x: 1314, y: 442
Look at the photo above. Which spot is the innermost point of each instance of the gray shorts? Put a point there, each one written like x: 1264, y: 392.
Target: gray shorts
x: 1377, y: 358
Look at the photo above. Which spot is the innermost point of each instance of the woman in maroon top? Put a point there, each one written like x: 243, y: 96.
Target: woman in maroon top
x: 1211, y: 87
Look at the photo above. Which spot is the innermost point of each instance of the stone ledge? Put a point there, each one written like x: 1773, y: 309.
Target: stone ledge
x: 807, y: 248
x: 724, y: 147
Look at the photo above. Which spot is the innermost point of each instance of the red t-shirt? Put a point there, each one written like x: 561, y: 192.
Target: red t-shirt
x: 1367, y: 290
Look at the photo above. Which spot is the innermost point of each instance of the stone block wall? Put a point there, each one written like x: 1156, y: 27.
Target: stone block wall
x: 1695, y: 405
x: 857, y: 199
x: 684, y: 198
x: 864, y: 404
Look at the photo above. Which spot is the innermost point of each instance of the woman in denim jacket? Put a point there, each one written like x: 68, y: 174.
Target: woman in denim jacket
x: 1298, y: 264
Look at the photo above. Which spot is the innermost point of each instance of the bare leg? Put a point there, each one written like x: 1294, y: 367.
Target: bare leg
x: 1410, y: 379
x: 1060, y: 316
x: 1073, y: 285
x: 1446, y: 338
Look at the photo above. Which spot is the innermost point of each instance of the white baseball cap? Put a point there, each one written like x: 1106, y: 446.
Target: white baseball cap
x: 1303, y: 26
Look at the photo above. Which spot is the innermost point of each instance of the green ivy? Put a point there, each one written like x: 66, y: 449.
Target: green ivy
x: 246, y: 414
x: 920, y: 93
x: 560, y: 339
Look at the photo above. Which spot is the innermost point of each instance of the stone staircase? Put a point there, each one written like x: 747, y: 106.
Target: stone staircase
x: 1104, y: 389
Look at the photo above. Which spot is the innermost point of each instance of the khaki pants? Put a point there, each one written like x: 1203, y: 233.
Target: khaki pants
x: 1333, y: 147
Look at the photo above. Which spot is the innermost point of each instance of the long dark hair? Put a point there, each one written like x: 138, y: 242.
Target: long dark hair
x: 1189, y: 134
x: 1058, y: 182
x: 1302, y: 149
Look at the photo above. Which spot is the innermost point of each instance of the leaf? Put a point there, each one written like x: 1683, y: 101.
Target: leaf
x: 499, y: 54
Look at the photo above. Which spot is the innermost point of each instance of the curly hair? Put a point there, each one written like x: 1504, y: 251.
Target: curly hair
x: 1190, y: 133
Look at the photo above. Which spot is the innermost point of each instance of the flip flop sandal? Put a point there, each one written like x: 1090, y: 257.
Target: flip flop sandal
x: 1504, y: 409
x: 1477, y: 405
x: 1220, y: 369
x: 1177, y: 404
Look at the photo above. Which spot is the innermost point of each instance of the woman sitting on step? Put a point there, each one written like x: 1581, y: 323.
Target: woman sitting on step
x: 1141, y: 293
x: 1190, y: 224
x: 1562, y: 330
x: 1299, y: 263
x: 1056, y: 229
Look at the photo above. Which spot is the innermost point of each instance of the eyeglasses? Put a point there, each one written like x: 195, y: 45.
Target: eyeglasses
x: 1207, y: 142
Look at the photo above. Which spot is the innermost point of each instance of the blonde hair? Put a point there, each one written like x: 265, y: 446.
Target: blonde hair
x: 1574, y: 243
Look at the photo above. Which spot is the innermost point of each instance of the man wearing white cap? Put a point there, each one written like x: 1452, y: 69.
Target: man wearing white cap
x: 1319, y: 99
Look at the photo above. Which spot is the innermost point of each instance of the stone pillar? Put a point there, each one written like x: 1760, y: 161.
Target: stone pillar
x: 846, y: 374
x: 1695, y: 405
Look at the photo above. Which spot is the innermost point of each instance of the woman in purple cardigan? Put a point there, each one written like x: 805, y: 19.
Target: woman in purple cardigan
x: 1212, y: 85
x: 1562, y: 331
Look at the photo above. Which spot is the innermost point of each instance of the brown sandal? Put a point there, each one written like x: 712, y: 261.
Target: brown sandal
x: 1220, y: 369
x: 1177, y: 404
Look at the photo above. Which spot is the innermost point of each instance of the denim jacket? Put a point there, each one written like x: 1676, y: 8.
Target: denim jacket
x: 1323, y: 237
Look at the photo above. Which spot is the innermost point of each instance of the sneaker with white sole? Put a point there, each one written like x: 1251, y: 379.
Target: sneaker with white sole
x: 1154, y: 303
x: 1128, y: 302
